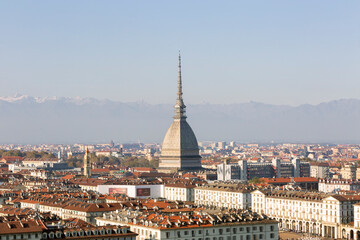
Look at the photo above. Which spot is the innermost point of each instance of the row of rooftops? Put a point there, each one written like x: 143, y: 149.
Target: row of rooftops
x: 289, y: 180
x: 84, y: 203
x: 302, y: 195
x: 18, y: 226
x: 192, y: 219
x: 340, y: 181
x: 228, y: 188
x: 72, y: 204
x: 28, y: 226
x: 308, y: 196
x: 7, y: 210
x: 10, y: 215
x: 157, y: 205
x: 96, y: 182
x: 87, y: 232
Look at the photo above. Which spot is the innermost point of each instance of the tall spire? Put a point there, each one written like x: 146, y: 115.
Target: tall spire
x: 87, y: 164
x: 179, y: 106
x: 179, y: 93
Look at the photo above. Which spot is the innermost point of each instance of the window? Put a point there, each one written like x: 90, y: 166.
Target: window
x: 178, y: 234
x: 234, y: 230
x: 261, y: 229
x: 271, y: 228
x: 167, y: 235
x: 248, y: 229
x: 272, y: 235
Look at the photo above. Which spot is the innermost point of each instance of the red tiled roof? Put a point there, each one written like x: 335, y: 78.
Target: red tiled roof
x: 67, y: 177
x: 30, y: 226
x: 189, y: 175
x: 100, y: 170
x: 305, y: 179
x: 288, y: 180
x: 9, y: 159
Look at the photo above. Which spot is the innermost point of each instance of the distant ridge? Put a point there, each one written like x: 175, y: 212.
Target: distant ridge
x: 26, y: 119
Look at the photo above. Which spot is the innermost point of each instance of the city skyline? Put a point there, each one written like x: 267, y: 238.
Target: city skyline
x: 272, y: 52
x: 256, y: 104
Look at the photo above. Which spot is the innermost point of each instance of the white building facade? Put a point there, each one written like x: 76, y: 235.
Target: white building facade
x: 336, y: 185
x: 138, y: 191
x: 176, y: 192
x: 223, y: 197
x: 320, y: 214
x: 185, y: 227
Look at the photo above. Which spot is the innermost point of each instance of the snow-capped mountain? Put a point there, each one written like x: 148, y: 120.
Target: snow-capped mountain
x: 27, y: 119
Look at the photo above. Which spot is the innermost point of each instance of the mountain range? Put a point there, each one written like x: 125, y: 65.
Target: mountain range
x: 26, y: 119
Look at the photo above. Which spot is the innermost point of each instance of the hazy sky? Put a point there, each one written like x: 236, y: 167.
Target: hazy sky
x: 282, y: 52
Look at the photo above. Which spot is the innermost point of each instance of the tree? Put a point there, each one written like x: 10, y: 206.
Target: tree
x: 256, y: 180
x: 31, y: 154
x: 154, y: 163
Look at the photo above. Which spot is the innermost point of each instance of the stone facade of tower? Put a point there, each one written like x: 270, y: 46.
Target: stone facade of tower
x: 87, y: 164
x: 180, y: 148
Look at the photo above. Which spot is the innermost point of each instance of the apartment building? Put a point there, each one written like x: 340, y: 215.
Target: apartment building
x: 111, y: 232
x: 227, y: 171
x: 179, y: 191
x: 223, y: 196
x: 200, y: 225
x: 246, y: 170
x: 319, y: 170
x: 336, y: 185
x: 348, y: 171
x: 316, y: 213
x: 13, y: 227
x: 69, y: 208
x: 135, y: 188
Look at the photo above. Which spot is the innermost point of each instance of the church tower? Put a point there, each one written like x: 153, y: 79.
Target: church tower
x: 87, y: 165
x: 180, y: 148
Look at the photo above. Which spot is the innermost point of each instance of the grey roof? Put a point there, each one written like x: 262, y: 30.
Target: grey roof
x: 180, y: 140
